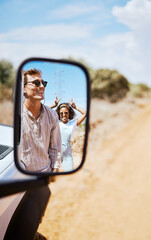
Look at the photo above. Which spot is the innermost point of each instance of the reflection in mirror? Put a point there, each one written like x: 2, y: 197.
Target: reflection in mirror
x: 54, y: 103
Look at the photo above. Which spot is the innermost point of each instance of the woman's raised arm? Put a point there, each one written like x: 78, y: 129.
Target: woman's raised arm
x: 55, y: 103
x: 79, y: 109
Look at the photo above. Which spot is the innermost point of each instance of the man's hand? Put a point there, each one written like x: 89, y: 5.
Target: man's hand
x: 55, y: 170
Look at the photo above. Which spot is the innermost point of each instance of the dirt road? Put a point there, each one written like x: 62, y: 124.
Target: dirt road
x: 110, y: 198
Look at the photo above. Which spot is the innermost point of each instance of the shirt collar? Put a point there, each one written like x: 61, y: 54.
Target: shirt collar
x: 25, y: 110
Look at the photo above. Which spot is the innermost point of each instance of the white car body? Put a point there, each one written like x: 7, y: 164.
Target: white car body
x: 8, y: 171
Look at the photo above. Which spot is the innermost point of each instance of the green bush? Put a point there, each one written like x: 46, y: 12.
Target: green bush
x: 7, y: 79
x: 7, y: 73
x: 109, y: 84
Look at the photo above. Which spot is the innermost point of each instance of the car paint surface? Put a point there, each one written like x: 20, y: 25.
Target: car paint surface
x: 8, y: 171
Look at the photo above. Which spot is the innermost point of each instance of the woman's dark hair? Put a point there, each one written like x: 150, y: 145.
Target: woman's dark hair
x: 67, y: 105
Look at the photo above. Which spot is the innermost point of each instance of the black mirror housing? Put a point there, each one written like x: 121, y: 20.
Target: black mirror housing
x: 62, y: 74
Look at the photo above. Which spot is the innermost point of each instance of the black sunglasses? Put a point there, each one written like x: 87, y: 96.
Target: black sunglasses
x: 61, y: 113
x: 37, y: 83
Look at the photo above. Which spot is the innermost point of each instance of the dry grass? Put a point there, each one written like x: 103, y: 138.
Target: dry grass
x: 78, y: 140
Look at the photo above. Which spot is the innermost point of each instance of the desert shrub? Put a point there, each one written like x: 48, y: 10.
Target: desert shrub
x: 7, y: 73
x: 7, y: 79
x: 139, y: 90
x: 109, y: 84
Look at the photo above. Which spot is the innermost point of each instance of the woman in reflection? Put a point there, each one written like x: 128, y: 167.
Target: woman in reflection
x: 68, y: 124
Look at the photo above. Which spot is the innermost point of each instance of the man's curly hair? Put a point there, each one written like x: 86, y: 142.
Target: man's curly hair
x: 30, y: 72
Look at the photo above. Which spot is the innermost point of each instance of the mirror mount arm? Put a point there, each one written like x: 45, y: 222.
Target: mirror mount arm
x: 12, y: 187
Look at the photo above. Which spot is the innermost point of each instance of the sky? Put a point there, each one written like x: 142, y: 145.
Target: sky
x: 64, y: 81
x: 113, y: 34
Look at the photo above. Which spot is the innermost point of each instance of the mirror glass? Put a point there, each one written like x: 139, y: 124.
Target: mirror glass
x: 53, y: 117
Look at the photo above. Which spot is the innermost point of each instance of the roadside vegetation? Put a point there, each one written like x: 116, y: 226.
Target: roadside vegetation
x: 139, y: 90
x: 109, y: 84
x: 106, y: 84
x: 7, y: 79
x: 112, y: 86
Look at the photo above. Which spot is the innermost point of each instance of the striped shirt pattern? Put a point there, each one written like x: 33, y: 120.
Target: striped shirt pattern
x: 41, y: 141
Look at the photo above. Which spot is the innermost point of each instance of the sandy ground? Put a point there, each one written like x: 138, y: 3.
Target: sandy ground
x: 110, y: 198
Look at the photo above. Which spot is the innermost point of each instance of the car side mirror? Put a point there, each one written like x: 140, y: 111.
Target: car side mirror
x: 51, y: 116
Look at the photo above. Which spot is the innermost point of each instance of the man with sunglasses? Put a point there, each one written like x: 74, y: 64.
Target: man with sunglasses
x: 41, y: 139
